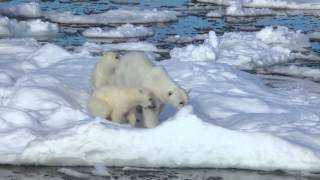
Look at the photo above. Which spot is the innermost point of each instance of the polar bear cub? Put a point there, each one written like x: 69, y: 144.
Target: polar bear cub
x: 119, y: 103
x: 104, y: 69
x: 135, y: 70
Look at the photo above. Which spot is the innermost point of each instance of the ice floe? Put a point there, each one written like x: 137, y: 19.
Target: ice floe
x: 276, y: 4
x: 314, y: 35
x: 126, y: 46
x: 115, y: 16
x: 235, y: 9
x: 247, y: 50
x: 124, y: 31
x: 294, y: 70
x: 233, y: 119
x: 14, y: 28
x: 26, y: 10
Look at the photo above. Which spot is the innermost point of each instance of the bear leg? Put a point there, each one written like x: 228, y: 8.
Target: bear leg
x: 99, y: 108
x: 132, y: 118
x: 118, y: 116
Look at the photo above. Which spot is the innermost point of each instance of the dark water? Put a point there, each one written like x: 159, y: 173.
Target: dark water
x: 51, y: 173
x: 190, y: 23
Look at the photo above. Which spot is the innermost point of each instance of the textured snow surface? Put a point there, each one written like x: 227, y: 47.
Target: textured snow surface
x: 233, y: 119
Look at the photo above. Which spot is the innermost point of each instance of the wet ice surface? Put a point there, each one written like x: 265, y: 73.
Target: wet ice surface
x: 191, y: 27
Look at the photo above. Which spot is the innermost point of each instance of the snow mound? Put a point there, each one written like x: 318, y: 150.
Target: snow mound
x: 247, y: 50
x: 124, y: 31
x: 18, y: 46
x: 115, y: 16
x: 14, y: 28
x: 26, y: 10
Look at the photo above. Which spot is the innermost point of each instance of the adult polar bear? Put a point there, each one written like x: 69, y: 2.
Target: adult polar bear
x: 135, y: 70
x: 104, y: 69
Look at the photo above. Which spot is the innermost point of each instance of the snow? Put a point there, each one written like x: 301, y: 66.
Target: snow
x: 276, y: 4
x: 14, y: 28
x: 115, y: 16
x: 247, y: 50
x: 26, y: 10
x: 233, y: 119
x: 124, y: 31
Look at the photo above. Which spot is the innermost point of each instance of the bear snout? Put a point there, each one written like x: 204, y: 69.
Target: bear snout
x: 152, y: 106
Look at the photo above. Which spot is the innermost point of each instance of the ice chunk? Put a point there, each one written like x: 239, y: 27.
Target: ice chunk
x: 124, y: 31
x: 37, y: 27
x: 276, y: 4
x: 72, y: 173
x: 247, y: 50
x: 115, y: 16
x: 100, y: 170
x: 27, y: 10
x: 235, y: 9
x: 128, y: 46
x: 202, y: 52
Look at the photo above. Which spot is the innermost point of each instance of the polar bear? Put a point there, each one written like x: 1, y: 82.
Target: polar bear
x: 135, y: 70
x: 119, y: 103
x: 104, y: 69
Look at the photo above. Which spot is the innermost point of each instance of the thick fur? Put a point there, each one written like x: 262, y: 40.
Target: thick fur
x: 135, y: 70
x: 104, y: 69
x: 118, y: 103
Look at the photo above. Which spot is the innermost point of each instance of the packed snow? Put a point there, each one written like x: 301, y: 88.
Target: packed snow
x: 247, y: 50
x: 233, y: 119
x: 124, y: 31
x: 25, y: 10
x: 276, y: 4
x: 14, y: 28
x: 115, y: 16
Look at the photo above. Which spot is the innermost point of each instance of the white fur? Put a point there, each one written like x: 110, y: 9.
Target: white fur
x: 104, y: 69
x: 136, y: 70
x: 119, y: 103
